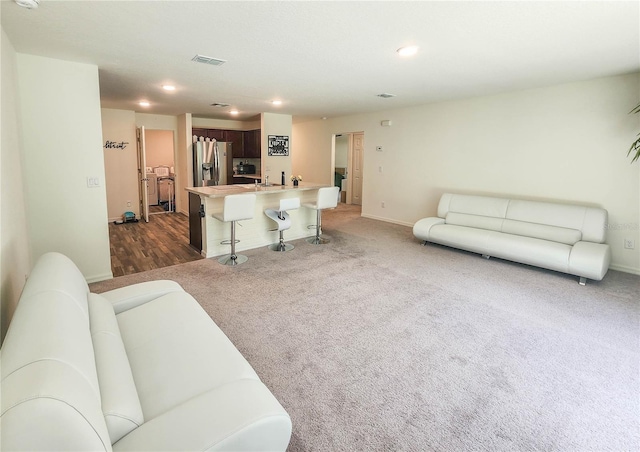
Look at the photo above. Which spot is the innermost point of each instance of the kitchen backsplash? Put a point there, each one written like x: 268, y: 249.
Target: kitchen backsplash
x: 255, y: 162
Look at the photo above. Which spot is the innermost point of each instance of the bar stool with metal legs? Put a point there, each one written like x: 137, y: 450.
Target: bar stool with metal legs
x: 281, y: 217
x: 236, y: 207
x: 327, y: 199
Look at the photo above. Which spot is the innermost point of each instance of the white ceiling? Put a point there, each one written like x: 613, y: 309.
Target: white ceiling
x: 326, y: 58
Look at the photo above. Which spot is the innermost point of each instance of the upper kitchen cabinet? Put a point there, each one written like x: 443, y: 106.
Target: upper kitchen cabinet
x: 236, y: 138
x: 243, y: 144
x: 252, y: 146
x: 199, y: 132
x: 216, y: 134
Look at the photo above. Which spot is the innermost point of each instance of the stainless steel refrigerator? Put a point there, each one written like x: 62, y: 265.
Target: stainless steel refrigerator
x: 210, y: 162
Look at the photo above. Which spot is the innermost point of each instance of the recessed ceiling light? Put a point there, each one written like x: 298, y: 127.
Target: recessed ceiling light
x: 29, y: 4
x: 407, y: 51
x: 168, y: 87
x: 234, y: 112
x: 144, y: 103
x: 276, y: 102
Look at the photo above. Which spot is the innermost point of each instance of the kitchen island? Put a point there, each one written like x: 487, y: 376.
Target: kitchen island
x: 206, y: 232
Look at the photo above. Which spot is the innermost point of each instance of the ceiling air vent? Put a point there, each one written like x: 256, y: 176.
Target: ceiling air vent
x: 208, y: 60
x: 386, y: 95
x: 219, y: 104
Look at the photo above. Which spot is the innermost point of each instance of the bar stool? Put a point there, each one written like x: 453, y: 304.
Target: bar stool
x: 236, y: 207
x: 281, y: 217
x: 327, y: 199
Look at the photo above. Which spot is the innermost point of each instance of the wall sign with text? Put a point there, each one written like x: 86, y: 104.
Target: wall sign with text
x: 278, y: 145
x: 115, y: 144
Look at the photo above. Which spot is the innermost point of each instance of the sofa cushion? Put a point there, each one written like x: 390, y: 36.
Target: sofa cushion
x: 531, y: 251
x: 120, y: 403
x: 542, y: 231
x: 240, y: 415
x: 128, y: 297
x: 474, y: 221
x: 474, y: 205
x: 156, y: 336
x: 590, y: 221
x: 470, y: 239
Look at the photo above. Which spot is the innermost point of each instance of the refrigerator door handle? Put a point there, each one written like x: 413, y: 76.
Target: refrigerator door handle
x: 216, y: 165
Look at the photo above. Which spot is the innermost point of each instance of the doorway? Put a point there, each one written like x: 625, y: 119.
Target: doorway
x: 348, y: 158
x: 157, y: 162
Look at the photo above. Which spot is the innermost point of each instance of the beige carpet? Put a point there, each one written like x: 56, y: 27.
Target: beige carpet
x: 375, y: 342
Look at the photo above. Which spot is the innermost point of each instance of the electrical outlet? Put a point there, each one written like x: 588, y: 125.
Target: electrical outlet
x: 380, y: 169
x: 128, y: 203
x: 382, y: 204
x: 629, y: 244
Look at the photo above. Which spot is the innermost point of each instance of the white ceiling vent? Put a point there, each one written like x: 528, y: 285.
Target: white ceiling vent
x: 208, y: 60
x: 219, y: 104
x: 386, y: 95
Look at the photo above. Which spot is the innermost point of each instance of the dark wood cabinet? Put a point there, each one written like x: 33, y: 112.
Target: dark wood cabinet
x: 245, y: 144
x: 216, y: 134
x: 199, y: 132
x: 252, y: 145
x: 236, y: 138
x: 244, y: 180
x: 196, y: 212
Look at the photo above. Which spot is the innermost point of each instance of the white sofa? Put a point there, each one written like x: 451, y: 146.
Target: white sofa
x: 561, y: 237
x: 138, y: 368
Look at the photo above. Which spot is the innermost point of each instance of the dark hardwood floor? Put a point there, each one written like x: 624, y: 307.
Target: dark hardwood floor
x: 141, y: 246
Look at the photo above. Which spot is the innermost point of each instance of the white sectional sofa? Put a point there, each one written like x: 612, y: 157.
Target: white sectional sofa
x: 561, y: 237
x: 138, y: 368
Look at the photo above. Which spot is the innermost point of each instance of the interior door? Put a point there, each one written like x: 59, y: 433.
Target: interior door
x: 355, y: 170
x: 142, y: 176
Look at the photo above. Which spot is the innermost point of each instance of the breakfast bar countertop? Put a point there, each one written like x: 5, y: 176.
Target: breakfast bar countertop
x: 248, y: 176
x: 220, y: 191
x: 208, y: 234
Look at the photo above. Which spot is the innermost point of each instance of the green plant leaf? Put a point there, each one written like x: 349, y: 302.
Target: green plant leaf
x: 635, y: 146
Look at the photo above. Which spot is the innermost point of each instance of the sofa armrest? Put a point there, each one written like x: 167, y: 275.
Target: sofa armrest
x: 241, y: 415
x: 129, y: 297
x: 422, y: 227
x: 590, y: 260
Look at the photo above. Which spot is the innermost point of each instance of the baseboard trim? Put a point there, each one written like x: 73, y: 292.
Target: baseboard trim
x: 625, y: 269
x: 387, y: 220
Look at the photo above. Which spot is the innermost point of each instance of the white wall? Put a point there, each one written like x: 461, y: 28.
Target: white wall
x: 563, y: 143
x: 15, y: 261
x: 121, y: 165
x: 312, y: 155
x: 61, y: 135
x: 159, y: 146
x: 272, y: 166
x: 224, y: 124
